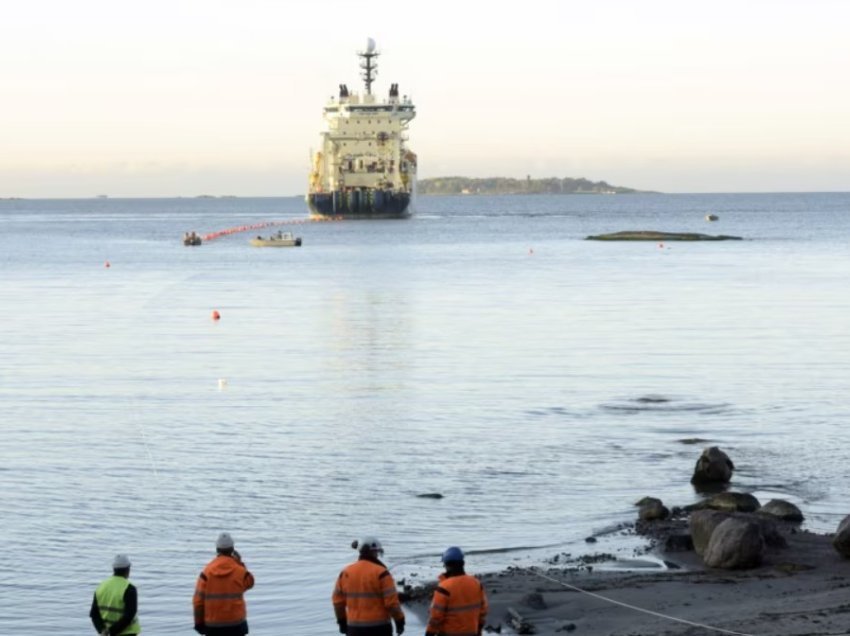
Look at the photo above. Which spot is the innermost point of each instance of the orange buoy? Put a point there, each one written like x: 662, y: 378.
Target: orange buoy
x: 216, y: 315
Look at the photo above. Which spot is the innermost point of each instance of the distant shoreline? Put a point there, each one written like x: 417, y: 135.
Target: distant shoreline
x: 506, y: 185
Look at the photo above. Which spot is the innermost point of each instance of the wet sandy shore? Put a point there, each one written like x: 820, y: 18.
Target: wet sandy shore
x: 801, y: 589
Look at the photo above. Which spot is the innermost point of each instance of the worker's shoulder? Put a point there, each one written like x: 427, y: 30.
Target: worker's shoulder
x: 366, y: 566
x: 462, y: 580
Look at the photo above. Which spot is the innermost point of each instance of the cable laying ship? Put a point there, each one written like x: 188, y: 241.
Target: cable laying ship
x: 364, y: 170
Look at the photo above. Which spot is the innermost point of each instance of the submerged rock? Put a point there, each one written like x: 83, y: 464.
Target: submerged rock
x: 650, y: 235
x: 713, y: 466
x: 692, y: 440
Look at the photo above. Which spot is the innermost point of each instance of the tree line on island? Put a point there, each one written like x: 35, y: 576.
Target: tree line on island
x: 505, y: 185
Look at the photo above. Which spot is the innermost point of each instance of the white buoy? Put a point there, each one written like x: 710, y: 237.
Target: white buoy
x: 222, y: 384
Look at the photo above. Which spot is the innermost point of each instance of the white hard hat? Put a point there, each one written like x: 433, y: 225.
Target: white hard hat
x: 224, y: 541
x: 120, y: 562
x: 370, y: 543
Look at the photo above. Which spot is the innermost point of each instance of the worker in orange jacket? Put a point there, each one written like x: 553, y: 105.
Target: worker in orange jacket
x: 219, y: 602
x: 365, y: 599
x: 459, y: 606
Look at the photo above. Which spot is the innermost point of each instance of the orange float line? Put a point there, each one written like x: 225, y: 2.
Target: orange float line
x: 259, y: 226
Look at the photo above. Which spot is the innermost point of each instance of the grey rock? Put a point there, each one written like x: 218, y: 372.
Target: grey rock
x: 678, y: 542
x: 645, y: 501
x: 653, y: 511
x: 713, y: 466
x: 702, y: 524
x: 534, y: 600
x: 841, y: 540
x: 735, y: 544
x: 733, y: 502
x: 781, y: 509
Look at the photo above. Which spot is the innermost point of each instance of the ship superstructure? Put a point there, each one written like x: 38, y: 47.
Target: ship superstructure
x: 364, y: 170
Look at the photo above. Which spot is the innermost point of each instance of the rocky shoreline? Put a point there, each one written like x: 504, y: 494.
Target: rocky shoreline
x: 726, y: 565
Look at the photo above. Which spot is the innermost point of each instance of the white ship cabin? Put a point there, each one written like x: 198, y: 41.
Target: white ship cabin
x: 364, y: 143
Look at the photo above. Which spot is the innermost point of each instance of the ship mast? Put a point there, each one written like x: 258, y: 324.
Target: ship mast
x: 369, y: 64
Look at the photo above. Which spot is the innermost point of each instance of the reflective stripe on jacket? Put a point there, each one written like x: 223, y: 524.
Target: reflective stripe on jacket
x: 365, y: 595
x: 459, y: 606
x: 110, y: 603
x: 218, y: 600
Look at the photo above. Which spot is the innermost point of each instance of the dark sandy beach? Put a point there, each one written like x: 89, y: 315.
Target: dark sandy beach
x: 801, y: 589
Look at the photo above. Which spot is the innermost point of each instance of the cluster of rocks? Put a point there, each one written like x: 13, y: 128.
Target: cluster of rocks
x: 728, y: 530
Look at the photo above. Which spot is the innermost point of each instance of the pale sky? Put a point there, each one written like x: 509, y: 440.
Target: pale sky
x: 225, y: 97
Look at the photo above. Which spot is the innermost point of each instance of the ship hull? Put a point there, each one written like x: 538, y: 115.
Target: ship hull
x: 359, y: 204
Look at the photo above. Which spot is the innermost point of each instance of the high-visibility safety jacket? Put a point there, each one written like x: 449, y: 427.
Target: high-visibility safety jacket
x: 110, y: 603
x: 459, y: 607
x: 365, y: 595
x: 219, y: 600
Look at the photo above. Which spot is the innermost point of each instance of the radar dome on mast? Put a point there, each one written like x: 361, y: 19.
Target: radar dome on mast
x: 369, y: 64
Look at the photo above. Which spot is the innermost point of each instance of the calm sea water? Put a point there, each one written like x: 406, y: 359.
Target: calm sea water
x: 481, y: 350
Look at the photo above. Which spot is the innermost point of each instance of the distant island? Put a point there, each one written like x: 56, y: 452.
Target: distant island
x: 504, y: 185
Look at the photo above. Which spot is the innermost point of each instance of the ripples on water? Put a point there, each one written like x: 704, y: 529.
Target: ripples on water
x: 480, y: 350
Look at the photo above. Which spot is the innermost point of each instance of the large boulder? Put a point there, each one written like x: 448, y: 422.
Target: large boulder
x: 841, y: 540
x: 713, y: 467
x: 770, y: 531
x: 781, y: 509
x: 702, y: 524
x: 735, y: 544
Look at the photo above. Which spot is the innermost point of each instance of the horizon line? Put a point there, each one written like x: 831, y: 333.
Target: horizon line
x: 102, y: 197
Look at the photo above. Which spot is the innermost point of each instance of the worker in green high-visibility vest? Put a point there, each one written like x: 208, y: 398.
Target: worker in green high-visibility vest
x: 116, y: 603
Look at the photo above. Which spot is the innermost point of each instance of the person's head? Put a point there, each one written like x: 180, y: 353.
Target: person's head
x: 224, y: 544
x: 121, y: 565
x: 453, y: 560
x: 369, y: 547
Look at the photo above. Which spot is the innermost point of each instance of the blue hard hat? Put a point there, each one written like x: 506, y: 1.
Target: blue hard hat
x: 452, y: 554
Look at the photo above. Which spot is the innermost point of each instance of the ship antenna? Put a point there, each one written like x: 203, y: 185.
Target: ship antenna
x: 369, y: 64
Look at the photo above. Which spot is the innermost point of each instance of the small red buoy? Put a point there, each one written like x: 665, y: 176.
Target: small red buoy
x: 216, y: 315
x: 106, y: 264
x: 661, y: 245
x: 530, y: 251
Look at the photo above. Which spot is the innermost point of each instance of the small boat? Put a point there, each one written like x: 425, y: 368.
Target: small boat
x: 711, y: 217
x: 281, y: 239
x: 191, y: 239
